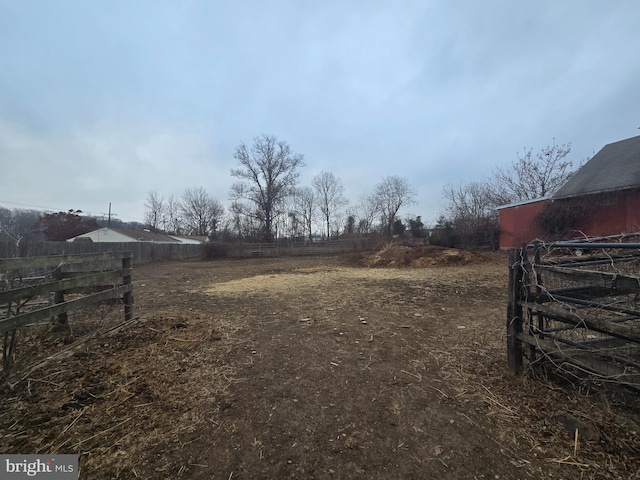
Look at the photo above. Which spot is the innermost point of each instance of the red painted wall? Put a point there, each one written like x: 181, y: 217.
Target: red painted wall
x: 614, y: 213
x: 517, y: 224
x: 609, y: 214
x: 633, y: 211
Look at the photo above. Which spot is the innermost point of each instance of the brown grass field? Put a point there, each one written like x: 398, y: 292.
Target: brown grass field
x: 385, y: 366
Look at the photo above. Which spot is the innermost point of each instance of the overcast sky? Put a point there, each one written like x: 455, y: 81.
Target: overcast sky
x: 103, y: 101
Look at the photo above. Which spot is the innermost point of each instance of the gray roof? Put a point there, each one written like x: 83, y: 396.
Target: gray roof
x: 523, y: 202
x: 145, y: 236
x: 615, y: 167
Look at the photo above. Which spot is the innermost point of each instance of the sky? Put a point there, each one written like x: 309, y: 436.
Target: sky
x: 104, y: 101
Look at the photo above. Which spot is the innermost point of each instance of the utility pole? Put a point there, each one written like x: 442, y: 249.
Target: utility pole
x: 108, y: 215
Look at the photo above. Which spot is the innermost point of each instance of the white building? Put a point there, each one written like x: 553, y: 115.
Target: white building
x: 121, y: 235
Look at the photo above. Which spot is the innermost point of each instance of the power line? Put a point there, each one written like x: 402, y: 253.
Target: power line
x: 32, y: 206
x: 49, y: 209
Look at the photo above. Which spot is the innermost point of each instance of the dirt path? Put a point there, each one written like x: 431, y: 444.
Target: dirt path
x: 336, y: 386
x: 312, y: 368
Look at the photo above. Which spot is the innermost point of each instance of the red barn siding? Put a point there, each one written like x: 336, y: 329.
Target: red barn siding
x: 518, y: 225
x: 633, y: 211
x: 605, y: 218
x: 609, y: 214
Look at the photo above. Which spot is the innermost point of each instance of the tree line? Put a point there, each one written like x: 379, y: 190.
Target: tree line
x: 267, y: 202
x: 20, y: 224
x: 471, y: 212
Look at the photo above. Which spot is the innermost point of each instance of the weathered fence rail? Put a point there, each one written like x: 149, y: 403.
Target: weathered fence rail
x: 285, y: 249
x: 147, y: 252
x: 142, y: 252
x: 33, y: 289
x: 576, y: 304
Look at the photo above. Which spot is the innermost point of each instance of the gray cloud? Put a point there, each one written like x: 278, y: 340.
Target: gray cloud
x: 104, y: 101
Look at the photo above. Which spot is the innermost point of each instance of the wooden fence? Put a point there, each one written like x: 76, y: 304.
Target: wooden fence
x: 147, y: 252
x: 290, y: 249
x: 33, y: 289
x: 576, y: 304
x: 143, y: 252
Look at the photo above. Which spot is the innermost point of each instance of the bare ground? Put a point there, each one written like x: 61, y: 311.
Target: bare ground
x: 388, y: 366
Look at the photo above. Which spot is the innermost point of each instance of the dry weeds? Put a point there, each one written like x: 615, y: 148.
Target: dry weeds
x: 190, y: 390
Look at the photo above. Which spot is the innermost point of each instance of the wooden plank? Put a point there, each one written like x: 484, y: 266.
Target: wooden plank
x: 127, y: 299
x: 589, y: 256
x: 44, y: 315
x: 64, y: 285
x: 58, y: 298
x: 583, y: 358
x: 19, y: 263
x: 83, y: 273
x: 626, y: 332
x: 581, y: 292
x: 599, y: 260
x: 613, y: 281
x: 514, y: 314
x: 67, y: 352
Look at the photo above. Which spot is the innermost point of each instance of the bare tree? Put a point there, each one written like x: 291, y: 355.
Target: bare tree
x: 471, y: 200
x: 6, y: 217
x: 472, y: 213
x: 532, y: 177
x: 216, y: 216
x: 18, y: 224
x: 24, y: 221
x: 330, y: 195
x: 279, y: 218
x: 6, y: 226
x: 294, y: 225
x: 368, y: 209
x: 244, y: 220
x: 201, y: 213
x: 268, y: 173
x: 391, y: 194
x: 350, y: 224
x: 304, y: 200
x: 154, y: 210
x: 472, y: 207
x: 172, y: 213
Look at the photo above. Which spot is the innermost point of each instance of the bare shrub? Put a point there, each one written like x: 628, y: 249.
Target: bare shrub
x: 560, y: 217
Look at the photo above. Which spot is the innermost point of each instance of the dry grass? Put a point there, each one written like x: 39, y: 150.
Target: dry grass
x: 106, y: 403
x: 154, y: 398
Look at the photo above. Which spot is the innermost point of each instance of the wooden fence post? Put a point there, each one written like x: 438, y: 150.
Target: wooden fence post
x: 514, y: 313
x: 126, y: 280
x: 537, y: 271
x: 61, y: 322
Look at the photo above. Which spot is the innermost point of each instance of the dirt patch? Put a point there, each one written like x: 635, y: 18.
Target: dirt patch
x: 316, y: 368
x: 394, y: 255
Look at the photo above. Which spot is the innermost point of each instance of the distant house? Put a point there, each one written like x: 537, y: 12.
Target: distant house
x: 121, y: 235
x: 601, y: 198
